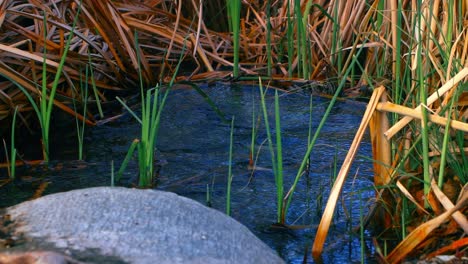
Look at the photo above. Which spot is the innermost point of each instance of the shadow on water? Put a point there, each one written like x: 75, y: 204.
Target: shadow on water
x: 193, y: 148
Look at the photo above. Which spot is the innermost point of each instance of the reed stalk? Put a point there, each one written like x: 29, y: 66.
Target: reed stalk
x: 279, y: 161
x: 268, y: 39
x: 301, y: 39
x: 234, y: 8
x: 290, y: 38
x: 305, y: 41
x: 423, y: 94
x: 335, y: 58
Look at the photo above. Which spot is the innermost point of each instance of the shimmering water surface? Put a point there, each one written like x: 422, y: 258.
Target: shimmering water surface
x: 193, y: 147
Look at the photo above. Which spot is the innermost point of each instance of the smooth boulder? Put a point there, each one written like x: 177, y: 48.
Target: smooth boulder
x: 139, y: 226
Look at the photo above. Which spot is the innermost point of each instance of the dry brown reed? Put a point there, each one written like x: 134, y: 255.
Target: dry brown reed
x: 104, y: 33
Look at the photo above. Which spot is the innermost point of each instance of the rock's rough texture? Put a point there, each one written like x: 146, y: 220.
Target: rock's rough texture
x: 139, y: 226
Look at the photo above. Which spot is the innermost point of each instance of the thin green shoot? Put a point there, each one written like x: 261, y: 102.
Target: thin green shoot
x: 80, y: 128
x: 93, y: 82
x: 253, y: 135
x: 309, y: 133
x: 230, y: 176
x: 13, y: 148
x: 276, y: 158
x: 445, y: 144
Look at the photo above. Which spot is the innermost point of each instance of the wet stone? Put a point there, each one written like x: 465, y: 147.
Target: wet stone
x: 136, y: 226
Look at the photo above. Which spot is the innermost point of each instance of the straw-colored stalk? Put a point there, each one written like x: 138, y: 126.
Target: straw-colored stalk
x: 325, y: 222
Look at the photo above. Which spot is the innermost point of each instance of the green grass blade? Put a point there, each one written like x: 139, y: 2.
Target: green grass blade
x: 95, y: 91
x: 129, y: 110
x: 13, y: 149
x: 129, y: 155
x: 279, y: 163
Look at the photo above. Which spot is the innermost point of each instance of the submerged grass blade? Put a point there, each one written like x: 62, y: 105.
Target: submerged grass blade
x: 208, y: 100
x: 229, y: 180
x: 253, y: 136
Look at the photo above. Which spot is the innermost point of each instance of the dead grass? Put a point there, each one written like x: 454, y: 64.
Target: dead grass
x: 390, y: 34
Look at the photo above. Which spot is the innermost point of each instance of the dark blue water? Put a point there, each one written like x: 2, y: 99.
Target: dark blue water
x: 193, y: 147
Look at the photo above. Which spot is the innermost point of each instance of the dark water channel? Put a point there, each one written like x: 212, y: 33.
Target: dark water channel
x: 193, y: 149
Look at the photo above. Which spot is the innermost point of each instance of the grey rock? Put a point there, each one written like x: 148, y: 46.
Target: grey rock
x: 139, y: 226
